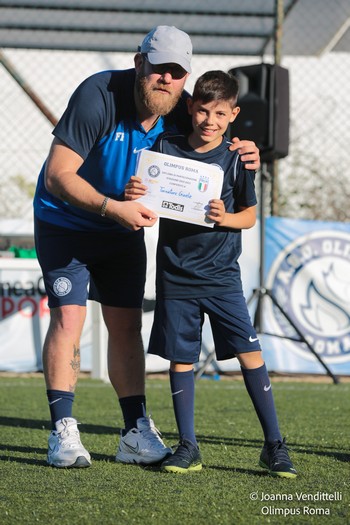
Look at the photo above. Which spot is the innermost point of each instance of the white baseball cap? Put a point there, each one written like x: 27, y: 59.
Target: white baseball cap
x: 168, y: 45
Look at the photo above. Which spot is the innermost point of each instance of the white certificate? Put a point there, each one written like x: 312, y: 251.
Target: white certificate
x: 179, y: 188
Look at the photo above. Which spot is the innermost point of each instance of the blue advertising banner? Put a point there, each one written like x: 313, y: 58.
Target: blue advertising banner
x: 307, y: 270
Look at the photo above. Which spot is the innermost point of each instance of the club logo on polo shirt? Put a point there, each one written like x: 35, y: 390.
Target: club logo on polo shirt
x: 310, y: 280
x: 62, y: 286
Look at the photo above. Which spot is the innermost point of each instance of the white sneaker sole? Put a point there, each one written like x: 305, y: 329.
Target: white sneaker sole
x: 80, y: 462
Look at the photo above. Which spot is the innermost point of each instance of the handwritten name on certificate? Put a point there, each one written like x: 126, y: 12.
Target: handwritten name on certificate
x: 179, y: 188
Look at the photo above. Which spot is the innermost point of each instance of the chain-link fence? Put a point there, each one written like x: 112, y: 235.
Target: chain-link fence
x: 313, y: 181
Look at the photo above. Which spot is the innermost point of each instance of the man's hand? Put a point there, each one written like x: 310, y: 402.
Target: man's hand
x: 248, y: 151
x: 131, y: 215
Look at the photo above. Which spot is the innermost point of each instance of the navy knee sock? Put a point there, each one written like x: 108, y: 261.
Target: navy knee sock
x: 182, y: 391
x: 60, y: 404
x: 258, y: 385
x: 133, y: 407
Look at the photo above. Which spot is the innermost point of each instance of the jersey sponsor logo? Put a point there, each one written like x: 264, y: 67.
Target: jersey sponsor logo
x: 153, y: 171
x: 62, y: 286
x: 119, y: 136
x: 173, y: 206
x: 310, y: 280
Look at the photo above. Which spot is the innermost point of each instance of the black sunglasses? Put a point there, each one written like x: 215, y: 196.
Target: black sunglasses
x: 175, y: 70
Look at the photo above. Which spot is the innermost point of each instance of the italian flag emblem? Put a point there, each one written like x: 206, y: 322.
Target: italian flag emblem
x: 203, y: 183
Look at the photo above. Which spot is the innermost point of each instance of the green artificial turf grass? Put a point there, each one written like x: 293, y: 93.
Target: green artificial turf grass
x: 230, y: 489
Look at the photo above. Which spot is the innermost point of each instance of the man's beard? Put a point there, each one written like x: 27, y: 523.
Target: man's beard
x: 157, y: 103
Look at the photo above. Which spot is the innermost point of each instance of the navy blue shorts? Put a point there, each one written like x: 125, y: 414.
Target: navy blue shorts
x: 177, y: 328
x: 108, y: 267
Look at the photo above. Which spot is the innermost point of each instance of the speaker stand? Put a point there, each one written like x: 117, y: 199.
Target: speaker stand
x: 262, y: 292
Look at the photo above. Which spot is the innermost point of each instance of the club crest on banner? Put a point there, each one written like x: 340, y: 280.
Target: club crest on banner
x: 310, y: 280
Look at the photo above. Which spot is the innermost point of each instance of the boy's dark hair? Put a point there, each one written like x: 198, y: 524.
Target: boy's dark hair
x: 216, y: 85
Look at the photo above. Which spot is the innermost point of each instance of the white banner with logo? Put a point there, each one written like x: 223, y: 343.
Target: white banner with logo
x: 307, y: 266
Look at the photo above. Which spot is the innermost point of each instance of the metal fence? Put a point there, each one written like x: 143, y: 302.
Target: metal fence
x: 313, y: 180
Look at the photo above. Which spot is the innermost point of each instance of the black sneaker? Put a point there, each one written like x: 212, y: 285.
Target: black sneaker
x: 274, y: 457
x: 186, y: 458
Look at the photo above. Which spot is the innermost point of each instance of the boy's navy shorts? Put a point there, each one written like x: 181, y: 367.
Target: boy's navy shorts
x: 177, y: 328
x: 108, y: 267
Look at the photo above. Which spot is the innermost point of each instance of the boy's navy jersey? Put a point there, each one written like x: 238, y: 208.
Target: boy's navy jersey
x: 196, y: 261
x: 101, y: 125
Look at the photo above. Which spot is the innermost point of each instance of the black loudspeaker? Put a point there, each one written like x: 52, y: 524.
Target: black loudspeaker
x: 264, y: 102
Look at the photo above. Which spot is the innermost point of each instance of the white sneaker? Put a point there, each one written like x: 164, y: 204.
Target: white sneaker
x: 65, y: 447
x: 142, y: 445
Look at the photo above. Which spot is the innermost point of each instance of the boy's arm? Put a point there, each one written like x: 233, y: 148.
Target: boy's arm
x: 243, y: 219
x: 134, y: 189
